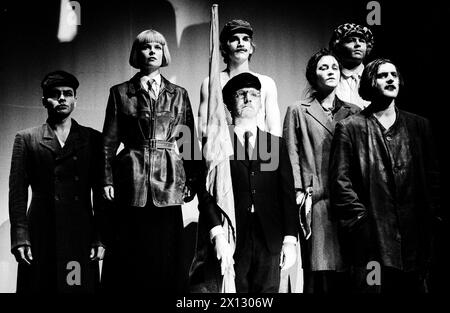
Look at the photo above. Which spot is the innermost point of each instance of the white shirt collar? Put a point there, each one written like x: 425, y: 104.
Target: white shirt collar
x: 145, y: 79
x: 240, y: 131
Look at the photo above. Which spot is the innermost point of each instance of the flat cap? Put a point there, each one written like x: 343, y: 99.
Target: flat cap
x: 233, y: 27
x: 59, y: 78
x: 243, y: 80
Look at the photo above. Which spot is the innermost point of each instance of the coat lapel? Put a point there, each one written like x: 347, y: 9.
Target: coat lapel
x: 135, y: 91
x: 315, y: 110
x: 49, y: 139
x: 74, y: 141
x: 345, y: 110
x: 140, y: 100
x: 134, y: 85
x: 238, y: 149
x: 262, y: 153
x: 165, y: 86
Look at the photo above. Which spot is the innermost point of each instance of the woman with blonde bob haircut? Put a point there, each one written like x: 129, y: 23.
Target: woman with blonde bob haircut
x: 145, y: 37
x: 149, y: 180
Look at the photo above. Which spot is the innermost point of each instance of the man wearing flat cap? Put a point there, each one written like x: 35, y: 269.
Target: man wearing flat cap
x: 237, y: 48
x: 352, y: 44
x: 264, y: 201
x: 56, y: 239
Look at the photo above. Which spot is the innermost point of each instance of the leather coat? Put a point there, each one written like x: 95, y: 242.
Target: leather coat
x: 377, y: 221
x: 159, y: 139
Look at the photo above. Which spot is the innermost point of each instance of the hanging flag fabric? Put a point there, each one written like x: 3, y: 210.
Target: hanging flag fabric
x: 218, y: 147
x: 68, y: 20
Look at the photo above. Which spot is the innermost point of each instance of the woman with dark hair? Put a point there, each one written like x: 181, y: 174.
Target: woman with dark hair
x: 308, y: 130
x: 151, y: 177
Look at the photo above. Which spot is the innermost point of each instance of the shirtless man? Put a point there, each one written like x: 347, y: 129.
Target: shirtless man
x: 237, y: 47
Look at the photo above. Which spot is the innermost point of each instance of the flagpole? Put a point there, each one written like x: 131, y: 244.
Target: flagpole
x: 218, y: 148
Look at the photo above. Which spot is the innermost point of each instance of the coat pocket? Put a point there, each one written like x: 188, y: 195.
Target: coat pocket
x: 167, y: 177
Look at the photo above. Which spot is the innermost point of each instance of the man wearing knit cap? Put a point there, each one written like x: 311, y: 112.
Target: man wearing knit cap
x: 237, y: 48
x: 56, y: 239
x: 264, y: 201
x: 352, y: 44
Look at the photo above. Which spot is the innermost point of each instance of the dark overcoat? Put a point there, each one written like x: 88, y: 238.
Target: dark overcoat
x: 59, y: 224
x: 376, y: 223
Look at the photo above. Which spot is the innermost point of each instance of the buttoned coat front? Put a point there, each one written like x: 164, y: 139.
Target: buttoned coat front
x: 60, y: 225
x: 265, y: 182
x: 375, y: 222
x: 308, y: 133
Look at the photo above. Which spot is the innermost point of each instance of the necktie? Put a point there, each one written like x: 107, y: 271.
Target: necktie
x: 152, y: 89
x: 248, y: 145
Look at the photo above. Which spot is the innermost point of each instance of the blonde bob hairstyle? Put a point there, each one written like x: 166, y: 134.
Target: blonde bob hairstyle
x: 143, y: 38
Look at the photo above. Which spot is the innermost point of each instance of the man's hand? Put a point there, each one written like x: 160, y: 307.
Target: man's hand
x: 288, y: 256
x: 223, y: 253
x: 23, y: 254
x: 108, y: 192
x: 97, y: 253
x: 299, y: 195
x: 188, y: 194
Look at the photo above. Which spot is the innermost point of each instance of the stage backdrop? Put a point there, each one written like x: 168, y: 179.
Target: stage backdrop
x: 287, y: 33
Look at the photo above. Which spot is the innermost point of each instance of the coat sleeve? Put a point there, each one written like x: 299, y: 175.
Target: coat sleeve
x: 18, y: 194
x: 346, y: 205
x: 98, y: 203
x: 291, y: 129
x: 192, y: 154
x: 111, y: 140
x: 287, y: 193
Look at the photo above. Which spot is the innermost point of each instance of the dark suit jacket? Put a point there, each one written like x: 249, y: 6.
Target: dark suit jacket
x: 267, y: 182
x: 308, y: 133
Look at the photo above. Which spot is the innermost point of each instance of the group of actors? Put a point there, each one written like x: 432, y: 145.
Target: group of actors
x: 355, y: 180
